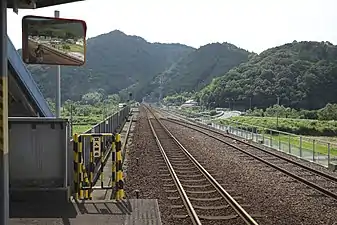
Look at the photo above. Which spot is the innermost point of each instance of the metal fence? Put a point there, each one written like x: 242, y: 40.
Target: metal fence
x: 311, y: 149
x: 112, y: 124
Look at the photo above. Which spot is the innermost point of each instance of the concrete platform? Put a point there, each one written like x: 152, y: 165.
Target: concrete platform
x: 144, y: 212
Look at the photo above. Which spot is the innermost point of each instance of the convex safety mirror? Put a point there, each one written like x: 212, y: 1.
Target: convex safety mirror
x: 53, y: 41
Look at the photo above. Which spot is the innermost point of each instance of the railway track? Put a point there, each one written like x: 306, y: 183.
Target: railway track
x: 198, y: 198
x: 317, y: 180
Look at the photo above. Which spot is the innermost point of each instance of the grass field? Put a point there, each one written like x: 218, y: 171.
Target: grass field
x: 81, y: 128
x: 73, y: 48
x: 320, y: 147
x: 76, y: 48
x: 297, y: 127
x: 84, y: 123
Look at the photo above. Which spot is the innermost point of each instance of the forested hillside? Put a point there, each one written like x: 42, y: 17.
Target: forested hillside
x: 119, y: 63
x: 301, y: 74
x: 114, y: 62
x: 197, y: 69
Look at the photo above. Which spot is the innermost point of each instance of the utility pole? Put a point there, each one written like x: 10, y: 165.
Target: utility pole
x: 278, y: 104
x: 160, y: 88
x: 58, y: 80
x: 250, y: 103
x: 130, y: 97
x: 71, y: 120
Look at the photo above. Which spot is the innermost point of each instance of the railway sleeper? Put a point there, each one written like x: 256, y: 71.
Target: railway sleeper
x: 187, y: 168
x: 167, y: 179
x: 194, y: 181
x: 173, y: 197
x: 191, y: 175
x: 206, y: 199
x: 201, y: 192
x: 178, y: 158
x: 163, y: 168
x: 181, y: 165
x: 180, y: 216
x: 228, y: 217
x: 198, y: 186
x: 187, y: 172
x: 171, y: 191
x: 177, y: 206
x: 212, y: 207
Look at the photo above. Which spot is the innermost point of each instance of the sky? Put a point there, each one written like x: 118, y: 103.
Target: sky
x: 255, y: 25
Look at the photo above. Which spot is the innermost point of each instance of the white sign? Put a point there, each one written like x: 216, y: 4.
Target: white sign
x: 97, y: 147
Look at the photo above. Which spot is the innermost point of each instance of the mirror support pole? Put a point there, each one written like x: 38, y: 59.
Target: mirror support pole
x: 4, y: 157
x: 58, y: 81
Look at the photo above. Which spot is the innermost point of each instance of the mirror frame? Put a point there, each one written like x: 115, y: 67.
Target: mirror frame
x: 25, y: 38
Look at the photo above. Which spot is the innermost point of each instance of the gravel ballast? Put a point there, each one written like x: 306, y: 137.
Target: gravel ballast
x: 145, y: 175
x: 266, y: 192
x: 277, y: 196
x: 210, y: 205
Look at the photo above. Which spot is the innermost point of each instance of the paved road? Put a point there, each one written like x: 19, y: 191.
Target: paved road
x: 50, y: 57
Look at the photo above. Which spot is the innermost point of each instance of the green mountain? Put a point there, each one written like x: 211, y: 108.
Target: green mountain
x: 120, y: 63
x: 193, y: 71
x: 115, y: 61
x: 197, y: 69
x: 301, y: 74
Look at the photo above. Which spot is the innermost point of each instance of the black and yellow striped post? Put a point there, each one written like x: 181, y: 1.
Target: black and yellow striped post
x: 91, y: 166
x: 76, y: 166
x: 85, y: 176
x: 120, y: 184
x: 86, y: 182
x: 113, y: 163
x: 80, y: 168
x: 102, y: 160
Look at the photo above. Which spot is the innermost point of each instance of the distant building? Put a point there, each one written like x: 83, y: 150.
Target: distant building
x: 122, y: 105
x: 189, y: 103
x: 80, y: 42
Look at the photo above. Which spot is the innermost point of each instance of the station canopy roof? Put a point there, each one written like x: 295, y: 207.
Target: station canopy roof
x: 39, y: 3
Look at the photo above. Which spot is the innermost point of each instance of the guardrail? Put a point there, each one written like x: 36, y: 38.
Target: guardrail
x: 112, y: 124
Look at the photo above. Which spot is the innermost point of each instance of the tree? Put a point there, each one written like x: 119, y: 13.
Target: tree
x: 92, y: 98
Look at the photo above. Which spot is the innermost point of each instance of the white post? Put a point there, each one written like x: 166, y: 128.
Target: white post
x: 329, y: 154
x: 58, y: 80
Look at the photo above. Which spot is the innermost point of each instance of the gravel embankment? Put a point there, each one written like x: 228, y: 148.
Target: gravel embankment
x: 277, y: 196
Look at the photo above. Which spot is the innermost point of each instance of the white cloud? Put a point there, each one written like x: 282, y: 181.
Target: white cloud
x: 253, y: 25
